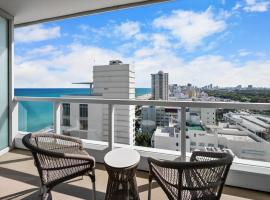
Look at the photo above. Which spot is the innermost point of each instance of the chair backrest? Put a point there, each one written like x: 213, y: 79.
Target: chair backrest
x: 201, y: 178
x: 49, y: 143
x: 48, y: 146
x: 206, y: 175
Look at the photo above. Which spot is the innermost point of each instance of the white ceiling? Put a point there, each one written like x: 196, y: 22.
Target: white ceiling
x: 33, y: 11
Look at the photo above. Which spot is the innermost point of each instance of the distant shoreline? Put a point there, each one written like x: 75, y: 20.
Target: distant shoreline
x: 144, y: 96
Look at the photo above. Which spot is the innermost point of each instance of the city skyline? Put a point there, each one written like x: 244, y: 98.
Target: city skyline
x: 218, y: 42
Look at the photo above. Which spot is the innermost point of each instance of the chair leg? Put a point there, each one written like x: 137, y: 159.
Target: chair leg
x: 93, y: 179
x: 150, y: 187
x: 46, y: 193
x: 40, y: 189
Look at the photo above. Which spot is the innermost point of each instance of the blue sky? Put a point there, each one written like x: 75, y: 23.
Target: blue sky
x: 222, y: 42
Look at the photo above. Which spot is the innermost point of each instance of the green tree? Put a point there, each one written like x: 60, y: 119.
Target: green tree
x: 143, y: 139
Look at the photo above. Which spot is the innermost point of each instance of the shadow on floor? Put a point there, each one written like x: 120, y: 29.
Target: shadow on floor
x: 68, y: 188
x: 64, y: 188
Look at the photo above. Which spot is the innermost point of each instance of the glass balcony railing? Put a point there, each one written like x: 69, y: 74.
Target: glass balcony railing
x: 242, y: 129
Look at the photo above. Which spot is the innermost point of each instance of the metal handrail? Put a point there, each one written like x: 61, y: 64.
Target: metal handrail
x: 198, y: 104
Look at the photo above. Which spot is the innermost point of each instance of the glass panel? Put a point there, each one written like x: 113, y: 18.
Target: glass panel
x: 84, y: 121
x: 35, y: 116
x: 244, y: 133
x: 3, y: 83
x: 158, y: 127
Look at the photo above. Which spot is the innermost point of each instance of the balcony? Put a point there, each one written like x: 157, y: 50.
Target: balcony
x: 18, y: 171
x: 245, y: 173
x: 248, y: 178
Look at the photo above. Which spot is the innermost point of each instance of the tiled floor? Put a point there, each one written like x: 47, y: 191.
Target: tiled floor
x: 19, y: 180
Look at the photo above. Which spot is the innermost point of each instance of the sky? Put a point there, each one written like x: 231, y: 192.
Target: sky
x: 219, y: 42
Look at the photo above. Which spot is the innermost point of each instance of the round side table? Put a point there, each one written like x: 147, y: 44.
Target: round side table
x: 121, y: 165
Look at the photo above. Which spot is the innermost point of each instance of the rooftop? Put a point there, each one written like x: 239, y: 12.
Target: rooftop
x: 243, y: 138
x: 166, y: 131
x: 19, y: 180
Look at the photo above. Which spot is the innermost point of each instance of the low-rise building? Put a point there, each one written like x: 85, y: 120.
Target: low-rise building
x: 168, y: 138
x: 256, y: 126
x: 225, y: 136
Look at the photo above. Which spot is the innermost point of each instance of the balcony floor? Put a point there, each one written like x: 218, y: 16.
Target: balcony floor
x: 19, y: 180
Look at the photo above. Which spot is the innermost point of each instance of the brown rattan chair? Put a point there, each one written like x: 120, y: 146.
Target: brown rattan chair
x: 59, y: 158
x: 202, y: 178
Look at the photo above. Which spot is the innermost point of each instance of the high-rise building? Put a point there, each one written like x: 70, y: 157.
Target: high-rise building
x: 160, y: 86
x: 117, y: 81
x: 90, y: 121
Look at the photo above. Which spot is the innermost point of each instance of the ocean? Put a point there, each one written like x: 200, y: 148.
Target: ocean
x: 34, y: 116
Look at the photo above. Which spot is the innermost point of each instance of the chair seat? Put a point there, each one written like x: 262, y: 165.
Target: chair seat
x: 50, y: 177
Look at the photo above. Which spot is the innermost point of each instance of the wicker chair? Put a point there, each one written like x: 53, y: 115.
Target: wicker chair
x: 59, y: 158
x: 202, y: 178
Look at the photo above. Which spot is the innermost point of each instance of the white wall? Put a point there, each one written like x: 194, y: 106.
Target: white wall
x: 208, y: 116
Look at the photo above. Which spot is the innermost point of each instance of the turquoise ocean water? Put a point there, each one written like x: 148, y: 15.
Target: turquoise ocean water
x: 34, y: 116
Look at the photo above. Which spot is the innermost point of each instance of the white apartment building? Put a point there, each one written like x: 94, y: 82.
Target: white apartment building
x: 200, y: 116
x: 160, y: 88
x: 90, y: 121
x: 148, y: 122
x: 238, y: 141
x: 208, y: 116
x: 161, y: 116
x: 168, y: 138
x: 257, y: 126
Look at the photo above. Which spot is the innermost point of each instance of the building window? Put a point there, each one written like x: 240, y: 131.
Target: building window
x: 201, y: 144
x: 66, y: 114
x: 83, y: 124
x: 177, y: 144
x: 66, y: 109
x: 211, y: 145
x: 83, y: 117
x: 83, y: 110
x: 66, y: 122
x: 193, y: 143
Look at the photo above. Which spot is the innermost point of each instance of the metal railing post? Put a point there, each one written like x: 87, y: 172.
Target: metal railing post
x: 111, y: 126
x: 57, y: 117
x: 183, y: 133
x: 13, y: 122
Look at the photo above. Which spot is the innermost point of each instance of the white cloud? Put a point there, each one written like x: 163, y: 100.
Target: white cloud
x: 45, y: 50
x: 201, y: 70
x: 256, y: 6
x: 63, y: 65
x: 128, y: 29
x: 247, y: 53
x: 160, y: 41
x: 237, y: 6
x: 244, y: 52
x: 73, y: 64
x: 36, y: 33
x: 191, y: 28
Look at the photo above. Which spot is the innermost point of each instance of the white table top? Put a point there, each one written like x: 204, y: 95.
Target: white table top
x: 122, y: 158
